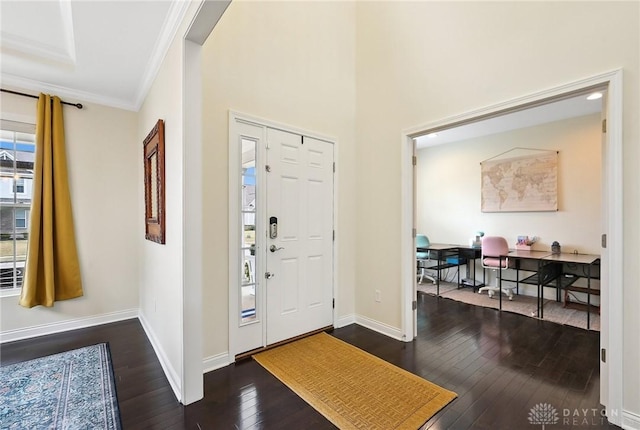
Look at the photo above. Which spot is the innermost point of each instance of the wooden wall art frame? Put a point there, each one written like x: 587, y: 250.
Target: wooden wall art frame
x: 154, y: 204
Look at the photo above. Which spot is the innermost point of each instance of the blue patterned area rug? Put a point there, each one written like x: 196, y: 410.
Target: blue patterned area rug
x: 70, y: 390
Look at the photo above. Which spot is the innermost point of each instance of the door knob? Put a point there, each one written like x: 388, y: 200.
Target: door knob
x: 273, y: 248
x: 269, y: 275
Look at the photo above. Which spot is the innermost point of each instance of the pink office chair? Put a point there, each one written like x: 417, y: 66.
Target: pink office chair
x: 492, y: 248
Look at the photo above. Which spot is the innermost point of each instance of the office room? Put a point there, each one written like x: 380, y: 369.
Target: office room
x: 450, y: 210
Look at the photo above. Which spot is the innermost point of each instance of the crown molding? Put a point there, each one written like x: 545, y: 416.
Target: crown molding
x: 66, y: 93
x: 169, y: 29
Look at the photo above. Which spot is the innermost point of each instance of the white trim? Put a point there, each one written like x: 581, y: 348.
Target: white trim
x: 407, y: 242
x: 70, y: 95
x: 263, y: 122
x: 630, y: 420
x: 10, y: 292
x: 177, y: 11
x: 215, y: 362
x: 612, y: 310
x: 378, y: 326
x: 62, y: 326
x: 169, y: 371
x: 543, y: 96
x: 613, y: 305
x: 344, y: 321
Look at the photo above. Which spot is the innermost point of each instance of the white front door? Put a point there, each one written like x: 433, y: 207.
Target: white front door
x: 287, y: 176
x: 299, y: 263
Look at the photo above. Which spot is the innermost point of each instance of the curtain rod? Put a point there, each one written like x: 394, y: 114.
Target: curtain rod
x: 78, y: 105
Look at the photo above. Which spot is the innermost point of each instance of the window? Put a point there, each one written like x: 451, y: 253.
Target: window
x: 18, y: 186
x: 248, y: 240
x: 21, y: 218
x: 17, y: 155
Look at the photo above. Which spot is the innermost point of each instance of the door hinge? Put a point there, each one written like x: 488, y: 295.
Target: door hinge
x: 334, y: 304
x: 267, y: 167
x: 414, y: 160
x: 604, y: 240
x: 334, y: 167
x: 603, y: 355
x: 414, y: 232
x: 604, y: 125
x: 414, y: 305
x: 334, y: 235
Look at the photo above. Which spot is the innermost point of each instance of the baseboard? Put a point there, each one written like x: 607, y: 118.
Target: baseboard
x: 345, y: 321
x: 215, y: 362
x: 630, y: 420
x: 169, y: 371
x: 72, y: 324
x: 382, y: 328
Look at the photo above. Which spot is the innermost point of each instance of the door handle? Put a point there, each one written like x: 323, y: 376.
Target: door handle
x: 269, y: 275
x: 273, y: 248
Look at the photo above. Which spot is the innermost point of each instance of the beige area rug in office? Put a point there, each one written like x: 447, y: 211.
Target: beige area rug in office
x: 352, y: 388
x: 524, y: 305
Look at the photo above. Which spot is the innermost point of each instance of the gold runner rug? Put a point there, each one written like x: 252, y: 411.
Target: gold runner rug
x: 352, y: 388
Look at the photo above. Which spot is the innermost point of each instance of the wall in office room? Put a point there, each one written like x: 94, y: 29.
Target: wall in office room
x: 421, y: 62
x: 449, y: 182
x: 291, y: 63
x: 102, y: 159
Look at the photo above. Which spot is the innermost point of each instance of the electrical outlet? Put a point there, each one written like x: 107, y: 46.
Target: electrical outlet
x: 378, y: 296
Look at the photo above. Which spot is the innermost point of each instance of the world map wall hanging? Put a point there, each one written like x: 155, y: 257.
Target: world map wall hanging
x: 525, y: 183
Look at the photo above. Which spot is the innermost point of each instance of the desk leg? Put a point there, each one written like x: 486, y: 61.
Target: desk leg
x: 589, y: 297
x: 517, y: 277
x: 458, y: 271
x: 438, y: 276
x: 539, y: 290
x: 500, y: 281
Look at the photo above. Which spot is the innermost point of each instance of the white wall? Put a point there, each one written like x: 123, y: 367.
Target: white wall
x: 449, y: 182
x: 292, y: 63
x: 103, y: 155
x: 420, y: 62
x: 161, y: 265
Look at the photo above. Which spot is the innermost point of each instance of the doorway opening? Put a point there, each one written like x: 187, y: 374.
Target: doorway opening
x: 611, y: 273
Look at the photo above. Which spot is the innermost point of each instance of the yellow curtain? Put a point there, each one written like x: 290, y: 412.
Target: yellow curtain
x: 52, y: 270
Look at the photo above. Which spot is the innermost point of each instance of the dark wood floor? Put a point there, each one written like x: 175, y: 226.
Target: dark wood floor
x: 500, y: 364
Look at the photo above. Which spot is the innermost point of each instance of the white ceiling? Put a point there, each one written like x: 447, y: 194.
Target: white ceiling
x: 105, y: 52
x: 554, y: 111
x: 109, y: 52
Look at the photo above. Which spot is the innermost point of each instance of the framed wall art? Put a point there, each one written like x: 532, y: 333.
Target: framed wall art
x: 154, y: 187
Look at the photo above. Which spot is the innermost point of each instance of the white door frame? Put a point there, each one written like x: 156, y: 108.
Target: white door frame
x: 611, y: 303
x: 234, y: 204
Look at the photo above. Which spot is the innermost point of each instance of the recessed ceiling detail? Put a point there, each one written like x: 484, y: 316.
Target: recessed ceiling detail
x: 105, y: 52
x: 38, y: 32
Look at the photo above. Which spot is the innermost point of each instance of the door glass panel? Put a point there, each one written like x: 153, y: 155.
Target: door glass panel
x: 248, y: 242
